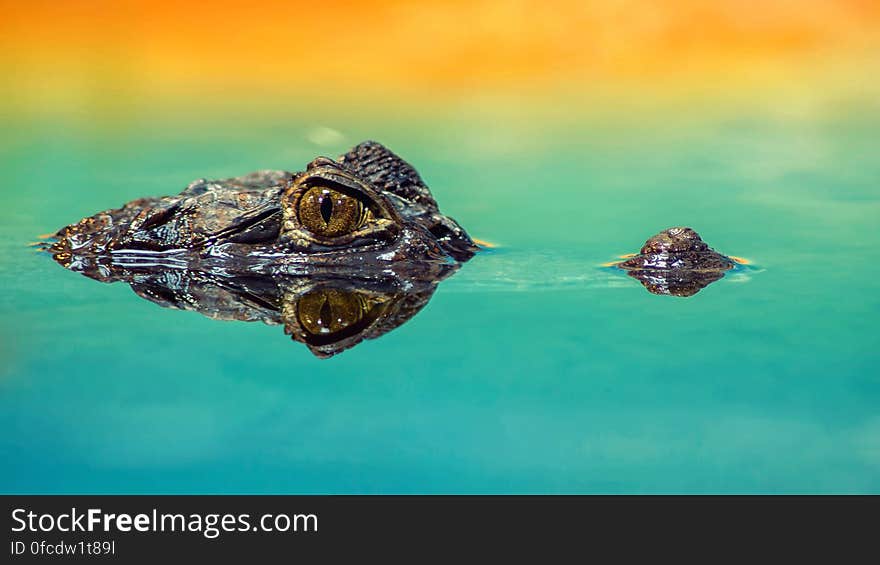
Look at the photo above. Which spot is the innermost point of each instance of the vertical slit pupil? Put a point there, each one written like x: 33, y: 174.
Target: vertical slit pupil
x: 327, y: 208
x: 326, y: 315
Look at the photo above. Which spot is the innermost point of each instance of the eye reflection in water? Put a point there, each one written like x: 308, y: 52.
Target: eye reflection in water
x: 334, y: 315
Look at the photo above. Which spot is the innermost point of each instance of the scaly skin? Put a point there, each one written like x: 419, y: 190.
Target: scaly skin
x: 677, y: 262
x: 238, y: 249
x: 247, y: 224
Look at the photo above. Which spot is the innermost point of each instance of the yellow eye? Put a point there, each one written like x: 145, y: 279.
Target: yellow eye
x: 330, y: 213
x: 331, y: 311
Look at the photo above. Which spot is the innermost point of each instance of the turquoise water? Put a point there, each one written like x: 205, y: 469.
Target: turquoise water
x: 532, y: 370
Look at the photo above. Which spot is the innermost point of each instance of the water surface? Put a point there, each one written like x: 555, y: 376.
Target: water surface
x: 532, y: 370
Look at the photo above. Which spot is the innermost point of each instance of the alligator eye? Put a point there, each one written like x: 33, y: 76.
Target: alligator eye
x: 330, y: 311
x: 330, y: 213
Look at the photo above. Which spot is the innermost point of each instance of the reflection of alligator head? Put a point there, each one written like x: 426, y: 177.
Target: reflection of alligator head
x: 328, y: 315
x: 677, y: 262
x: 345, y: 251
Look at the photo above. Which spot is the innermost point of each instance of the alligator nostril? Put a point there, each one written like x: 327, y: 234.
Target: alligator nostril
x: 327, y: 208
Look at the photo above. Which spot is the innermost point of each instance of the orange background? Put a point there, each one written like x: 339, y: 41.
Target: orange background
x: 95, y: 57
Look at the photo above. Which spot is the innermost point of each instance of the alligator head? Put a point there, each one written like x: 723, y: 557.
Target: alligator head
x: 367, y: 209
x: 344, y: 251
x: 676, y: 262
